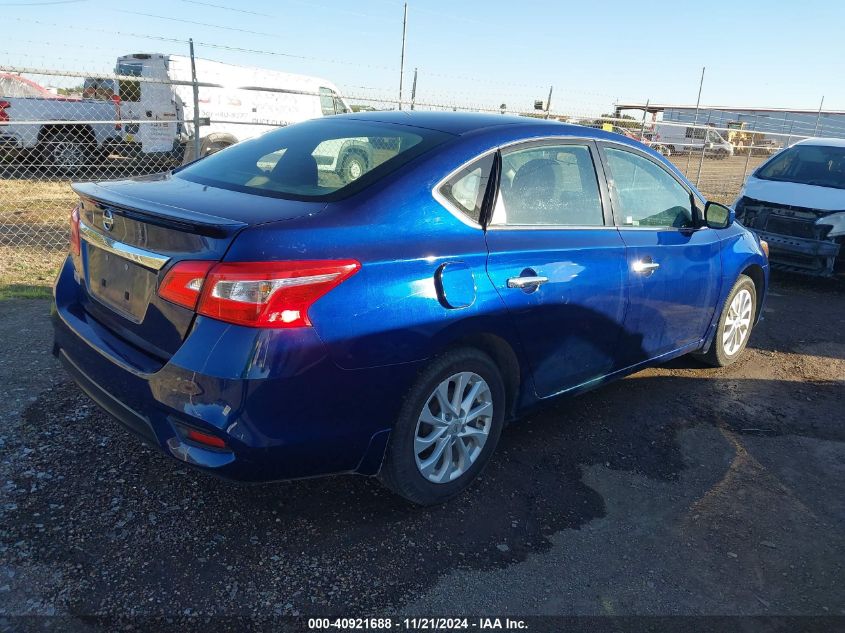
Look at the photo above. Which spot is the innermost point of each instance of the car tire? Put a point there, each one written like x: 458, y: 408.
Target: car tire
x: 353, y: 166
x: 215, y: 146
x: 64, y: 152
x: 735, y: 325
x: 412, y: 468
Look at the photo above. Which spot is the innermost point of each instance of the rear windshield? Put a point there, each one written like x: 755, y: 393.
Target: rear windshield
x: 323, y: 159
x: 819, y: 165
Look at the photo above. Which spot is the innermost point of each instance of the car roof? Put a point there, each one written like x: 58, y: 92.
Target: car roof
x: 458, y: 122
x: 827, y: 142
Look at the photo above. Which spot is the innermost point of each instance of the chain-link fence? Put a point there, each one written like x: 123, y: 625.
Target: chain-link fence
x: 157, y: 111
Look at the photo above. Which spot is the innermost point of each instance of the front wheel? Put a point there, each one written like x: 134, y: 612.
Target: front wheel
x: 447, y: 429
x: 735, y: 324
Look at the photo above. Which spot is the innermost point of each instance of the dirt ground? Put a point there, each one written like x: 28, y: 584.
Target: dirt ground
x: 680, y: 490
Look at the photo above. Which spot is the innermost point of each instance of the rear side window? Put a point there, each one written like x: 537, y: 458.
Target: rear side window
x: 465, y: 190
x: 644, y: 194
x: 550, y: 185
x: 322, y: 159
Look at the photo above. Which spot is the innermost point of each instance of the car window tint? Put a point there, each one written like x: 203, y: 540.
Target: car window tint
x: 465, y: 190
x: 645, y: 194
x: 548, y: 185
x: 313, y: 160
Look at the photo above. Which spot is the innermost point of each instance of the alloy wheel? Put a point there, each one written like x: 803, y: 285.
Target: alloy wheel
x: 737, y: 322
x: 453, y: 427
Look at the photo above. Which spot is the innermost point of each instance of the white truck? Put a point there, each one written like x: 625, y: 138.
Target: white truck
x: 152, y: 117
x: 241, y: 103
x: 56, y: 132
x: 679, y: 138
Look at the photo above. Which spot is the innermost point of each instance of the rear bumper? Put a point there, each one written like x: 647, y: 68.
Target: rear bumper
x: 800, y: 254
x: 283, y: 408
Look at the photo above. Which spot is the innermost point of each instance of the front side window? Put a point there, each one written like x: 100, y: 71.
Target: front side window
x: 465, y: 189
x: 310, y: 160
x: 551, y: 185
x: 644, y: 194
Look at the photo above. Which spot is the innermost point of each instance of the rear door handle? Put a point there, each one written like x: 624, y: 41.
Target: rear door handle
x: 644, y: 266
x: 527, y: 282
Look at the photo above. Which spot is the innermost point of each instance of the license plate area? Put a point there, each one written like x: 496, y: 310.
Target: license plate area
x: 120, y: 284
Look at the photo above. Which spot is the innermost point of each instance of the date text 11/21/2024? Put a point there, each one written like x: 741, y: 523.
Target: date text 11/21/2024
x: 417, y: 624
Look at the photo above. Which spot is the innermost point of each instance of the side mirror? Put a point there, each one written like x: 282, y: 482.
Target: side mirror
x: 718, y: 216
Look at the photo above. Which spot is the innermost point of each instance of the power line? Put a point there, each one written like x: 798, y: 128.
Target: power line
x: 220, y: 6
x: 40, y: 4
x: 195, y: 23
x: 160, y: 38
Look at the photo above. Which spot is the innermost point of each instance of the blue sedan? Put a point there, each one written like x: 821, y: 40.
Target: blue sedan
x: 268, y: 313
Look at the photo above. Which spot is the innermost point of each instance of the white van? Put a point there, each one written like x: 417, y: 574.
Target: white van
x: 161, y: 115
x: 678, y: 138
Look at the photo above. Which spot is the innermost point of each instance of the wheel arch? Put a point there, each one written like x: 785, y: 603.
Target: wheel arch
x: 504, y: 357
x: 52, y: 129
x: 755, y: 272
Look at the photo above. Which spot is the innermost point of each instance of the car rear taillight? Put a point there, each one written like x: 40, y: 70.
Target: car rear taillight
x: 4, y: 116
x: 75, y: 243
x: 183, y: 283
x: 258, y: 294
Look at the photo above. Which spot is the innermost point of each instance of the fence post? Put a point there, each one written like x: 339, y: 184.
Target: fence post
x: 414, y: 89
x: 703, y: 149
x: 645, y: 114
x: 695, y: 120
x: 196, y: 88
x: 750, y: 150
x: 818, y: 117
x: 549, y: 101
x: 402, y: 57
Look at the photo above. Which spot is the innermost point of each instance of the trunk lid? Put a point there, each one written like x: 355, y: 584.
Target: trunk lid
x: 134, y: 231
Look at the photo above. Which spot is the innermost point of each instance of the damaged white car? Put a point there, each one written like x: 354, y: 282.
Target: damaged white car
x: 796, y: 202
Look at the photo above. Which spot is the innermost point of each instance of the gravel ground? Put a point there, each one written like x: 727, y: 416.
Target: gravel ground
x: 679, y: 490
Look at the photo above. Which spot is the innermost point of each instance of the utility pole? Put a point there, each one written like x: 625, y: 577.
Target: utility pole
x: 818, y: 117
x: 402, y: 58
x: 197, y: 144
x: 549, y: 101
x: 695, y: 120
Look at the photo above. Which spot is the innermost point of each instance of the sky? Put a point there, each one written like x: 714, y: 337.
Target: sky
x: 468, y: 52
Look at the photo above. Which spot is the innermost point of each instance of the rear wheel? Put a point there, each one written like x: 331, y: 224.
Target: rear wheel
x: 65, y: 151
x: 735, y: 324
x: 447, y: 429
x: 353, y: 166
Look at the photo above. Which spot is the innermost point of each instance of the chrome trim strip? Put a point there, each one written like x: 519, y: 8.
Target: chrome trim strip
x: 132, y: 253
x: 447, y: 204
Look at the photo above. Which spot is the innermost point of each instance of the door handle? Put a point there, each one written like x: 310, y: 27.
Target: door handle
x: 527, y: 282
x: 644, y: 266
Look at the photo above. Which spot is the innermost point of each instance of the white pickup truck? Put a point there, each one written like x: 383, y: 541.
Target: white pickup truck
x: 58, y: 133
